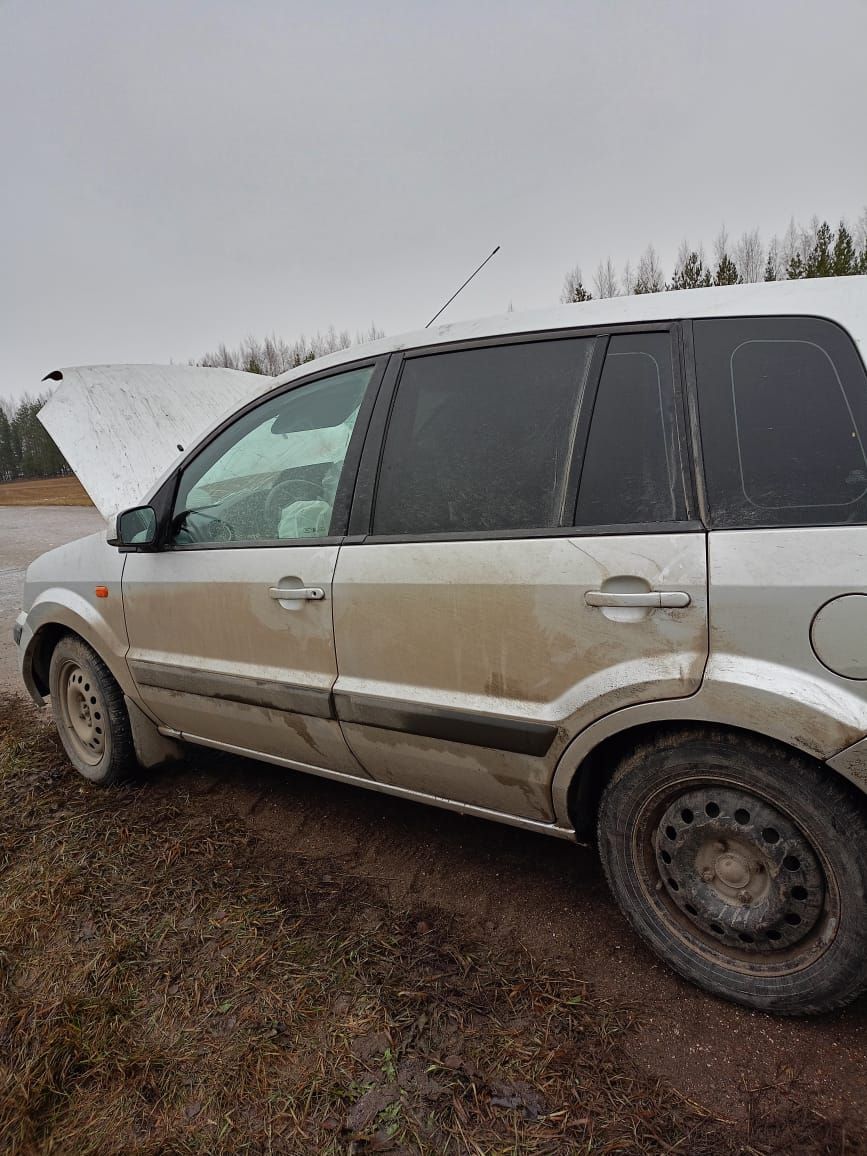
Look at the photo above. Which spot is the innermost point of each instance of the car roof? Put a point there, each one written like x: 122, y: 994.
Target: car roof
x: 840, y: 299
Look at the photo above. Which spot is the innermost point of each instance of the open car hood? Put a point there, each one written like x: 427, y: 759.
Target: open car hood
x: 122, y: 427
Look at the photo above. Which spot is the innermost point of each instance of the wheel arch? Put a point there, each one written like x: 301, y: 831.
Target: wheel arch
x: 577, y: 792
x: 38, y: 656
x: 49, y: 621
x: 151, y: 748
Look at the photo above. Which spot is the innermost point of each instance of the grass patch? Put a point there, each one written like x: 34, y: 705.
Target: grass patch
x: 44, y: 492
x: 168, y: 985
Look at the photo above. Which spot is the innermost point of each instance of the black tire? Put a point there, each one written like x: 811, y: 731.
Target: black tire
x: 743, y: 865
x: 90, y: 714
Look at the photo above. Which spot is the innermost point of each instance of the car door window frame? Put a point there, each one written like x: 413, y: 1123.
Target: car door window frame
x: 682, y: 440
x: 164, y: 499
x: 361, y: 515
x: 693, y: 441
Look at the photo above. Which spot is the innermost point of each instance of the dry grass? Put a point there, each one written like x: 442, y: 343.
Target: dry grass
x: 168, y: 985
x: 44, y: 492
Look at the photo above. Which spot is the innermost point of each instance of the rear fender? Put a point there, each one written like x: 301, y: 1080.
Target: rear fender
x: 812, y: 714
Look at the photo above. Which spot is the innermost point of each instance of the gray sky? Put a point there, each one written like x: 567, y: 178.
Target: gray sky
x: 178, y: 173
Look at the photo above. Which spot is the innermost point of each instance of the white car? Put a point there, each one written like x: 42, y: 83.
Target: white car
x: 598, y: 569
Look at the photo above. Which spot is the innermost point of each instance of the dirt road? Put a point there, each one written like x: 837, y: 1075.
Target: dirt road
x: 507, y: 887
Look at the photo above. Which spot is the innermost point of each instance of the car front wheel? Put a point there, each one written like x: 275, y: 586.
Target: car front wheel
x: 744, y: 866
x: 90, y: 714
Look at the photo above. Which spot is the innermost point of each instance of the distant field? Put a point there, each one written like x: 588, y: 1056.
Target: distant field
x: 44, y: 492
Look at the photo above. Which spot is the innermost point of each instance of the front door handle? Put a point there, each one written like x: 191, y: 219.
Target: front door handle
x: 297, y: 593
x: 652, y: 599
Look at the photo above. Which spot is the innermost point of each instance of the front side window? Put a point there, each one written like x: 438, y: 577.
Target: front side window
x: 480, y: 440
x: 273, y: 474
x: 783, y: 408
x: 631, y: 473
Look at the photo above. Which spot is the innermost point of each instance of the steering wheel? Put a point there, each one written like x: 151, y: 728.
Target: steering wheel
x: 286, y: 492
x: 217, y: 530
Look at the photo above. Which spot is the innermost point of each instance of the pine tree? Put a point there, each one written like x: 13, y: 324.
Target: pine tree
x: 819, y: 262
x: 573, y: 288
x: 726, y: 272
x: 844, y: 260
x: 26, y: 448
x: 691, y: 274
x: 8, y: 457
x: 795, y: 268
x: 770, y: 268
x: 581, y: 293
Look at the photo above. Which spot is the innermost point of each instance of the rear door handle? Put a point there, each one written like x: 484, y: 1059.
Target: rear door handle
x: 652, y: 599
x: 297, y: 593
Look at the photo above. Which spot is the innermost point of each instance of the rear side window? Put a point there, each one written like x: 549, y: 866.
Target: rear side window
x: 631, y: 473
x: 480, y: 440
x: 783, y: 410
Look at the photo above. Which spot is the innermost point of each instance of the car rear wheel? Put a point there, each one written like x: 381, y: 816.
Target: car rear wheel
x: 90, y: 714
x: 744, y: 866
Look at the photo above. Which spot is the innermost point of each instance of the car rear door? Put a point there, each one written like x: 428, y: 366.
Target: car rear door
x: 523, y: 559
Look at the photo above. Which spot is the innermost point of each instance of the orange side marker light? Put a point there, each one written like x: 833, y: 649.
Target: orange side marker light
x: 101, y: 591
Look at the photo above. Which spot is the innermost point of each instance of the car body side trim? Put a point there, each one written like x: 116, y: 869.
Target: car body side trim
x: 234, y: 688
x: 456, y: 726
x: 542, y: 828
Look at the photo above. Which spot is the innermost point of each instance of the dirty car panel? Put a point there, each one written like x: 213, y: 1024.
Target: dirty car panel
x: 501, y: 631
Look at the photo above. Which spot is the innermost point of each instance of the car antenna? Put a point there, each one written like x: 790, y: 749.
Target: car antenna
x: 465, y: 284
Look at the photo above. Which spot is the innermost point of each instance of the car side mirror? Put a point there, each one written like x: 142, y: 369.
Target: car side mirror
x: 134, y: 528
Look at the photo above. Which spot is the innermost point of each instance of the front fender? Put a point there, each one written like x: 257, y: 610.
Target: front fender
x: 819, y: 716
x: 59, y: 607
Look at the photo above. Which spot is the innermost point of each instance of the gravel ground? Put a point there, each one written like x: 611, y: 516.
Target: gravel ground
x: 25, y: 533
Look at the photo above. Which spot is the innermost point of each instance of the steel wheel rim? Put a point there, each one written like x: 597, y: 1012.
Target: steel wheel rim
x: 83, y: 712
x: 805, y: 890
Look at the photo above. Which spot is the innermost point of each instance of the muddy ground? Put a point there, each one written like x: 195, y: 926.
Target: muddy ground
x: 226, y: 957
x: 509, y: 887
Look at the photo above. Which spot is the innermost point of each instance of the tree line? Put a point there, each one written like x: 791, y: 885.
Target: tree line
x: 811, y: 250
x: 26, y: 450
x: 273, y: 356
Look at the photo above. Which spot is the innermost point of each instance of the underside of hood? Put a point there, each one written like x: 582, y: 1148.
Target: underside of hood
x: 122, y: 427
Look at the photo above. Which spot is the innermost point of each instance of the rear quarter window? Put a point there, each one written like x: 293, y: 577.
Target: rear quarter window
x: 783, y: 413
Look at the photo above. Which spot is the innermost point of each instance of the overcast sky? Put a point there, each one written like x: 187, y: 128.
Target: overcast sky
x: 177, y: 173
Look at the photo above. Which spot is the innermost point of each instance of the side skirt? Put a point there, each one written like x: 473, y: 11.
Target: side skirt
x: 383, y: 788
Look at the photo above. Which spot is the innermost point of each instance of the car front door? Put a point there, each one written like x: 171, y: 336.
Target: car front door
x: 230, y: 624
x: 528, y: 563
